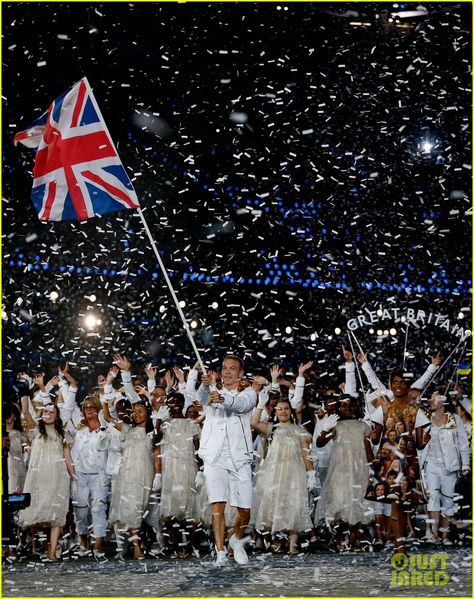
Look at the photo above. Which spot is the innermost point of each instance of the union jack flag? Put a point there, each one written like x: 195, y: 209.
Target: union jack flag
x: 77, y: 172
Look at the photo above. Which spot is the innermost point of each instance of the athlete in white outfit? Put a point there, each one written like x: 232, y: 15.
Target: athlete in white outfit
x: 226, y: 451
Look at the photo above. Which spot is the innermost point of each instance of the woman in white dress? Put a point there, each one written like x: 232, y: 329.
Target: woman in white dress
x: 48, y: 477
x: 280, y: 502
x: 179, y: 467
x: 342, y: 496
x: 135, y: 479
x: 19, y: 439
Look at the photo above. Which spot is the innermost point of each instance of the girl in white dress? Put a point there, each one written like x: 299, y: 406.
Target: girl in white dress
x: 281, y: 491
x: 48, y: 477
x: 135, y: 479
x: 179, y: 467
x: 342, y: 495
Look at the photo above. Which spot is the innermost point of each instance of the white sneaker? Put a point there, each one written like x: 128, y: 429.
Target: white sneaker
x: 221, y: 559
x: 99, y: 556
x: 240, y: 555
x: 428, y: 534
x: 447, y: 543
x: 83, y: 551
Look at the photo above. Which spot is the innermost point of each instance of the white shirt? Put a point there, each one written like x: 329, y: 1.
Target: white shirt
x: 87, y: 453
x: 435, y: 453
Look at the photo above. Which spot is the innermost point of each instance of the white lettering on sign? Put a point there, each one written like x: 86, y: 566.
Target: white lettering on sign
x: 412, y: 316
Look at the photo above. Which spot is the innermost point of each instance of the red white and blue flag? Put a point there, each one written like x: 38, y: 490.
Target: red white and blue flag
x: 77, y: 172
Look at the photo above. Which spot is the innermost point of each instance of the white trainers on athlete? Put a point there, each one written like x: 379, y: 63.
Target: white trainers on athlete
x: 221, y: 559
x: 240, y: 555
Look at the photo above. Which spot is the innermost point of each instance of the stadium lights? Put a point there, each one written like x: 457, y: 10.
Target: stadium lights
x: 53, y: 296
x: 182, y: 304
x: 427, y: 147
x: 288, y: 330
x: 91, y: 322
x: 360, y: 23
x: 407, y: 14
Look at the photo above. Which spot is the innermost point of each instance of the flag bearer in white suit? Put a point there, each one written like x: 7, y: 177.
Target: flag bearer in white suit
x: 226, y: 451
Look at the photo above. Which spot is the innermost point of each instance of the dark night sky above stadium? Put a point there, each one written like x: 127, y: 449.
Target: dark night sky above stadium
x: 279, y: 154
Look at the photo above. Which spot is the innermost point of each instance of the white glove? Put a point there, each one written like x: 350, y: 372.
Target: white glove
x: 163, y: 413
x: 26, y: 378
x: 107, y: 397
x: 156, y: 483
x: 263, y: 398
x: 48, y: 387
x: 126, y: 376
x: 330, y: 423
x: 199, y: 480
x: 311, y: 480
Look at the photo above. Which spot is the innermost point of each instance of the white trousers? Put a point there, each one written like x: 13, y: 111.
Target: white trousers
x: 440, y: 489
x: 91, y: 496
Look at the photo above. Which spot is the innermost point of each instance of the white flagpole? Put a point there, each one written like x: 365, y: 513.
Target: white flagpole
x: 450, y: 380
x: 405, y: 347
x: 172, y: 291
x: 367, y: 410
x: 440, y: 369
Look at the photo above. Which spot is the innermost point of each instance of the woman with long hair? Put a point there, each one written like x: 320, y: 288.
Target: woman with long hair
x: 47, y: 478
x: 19, y: 440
